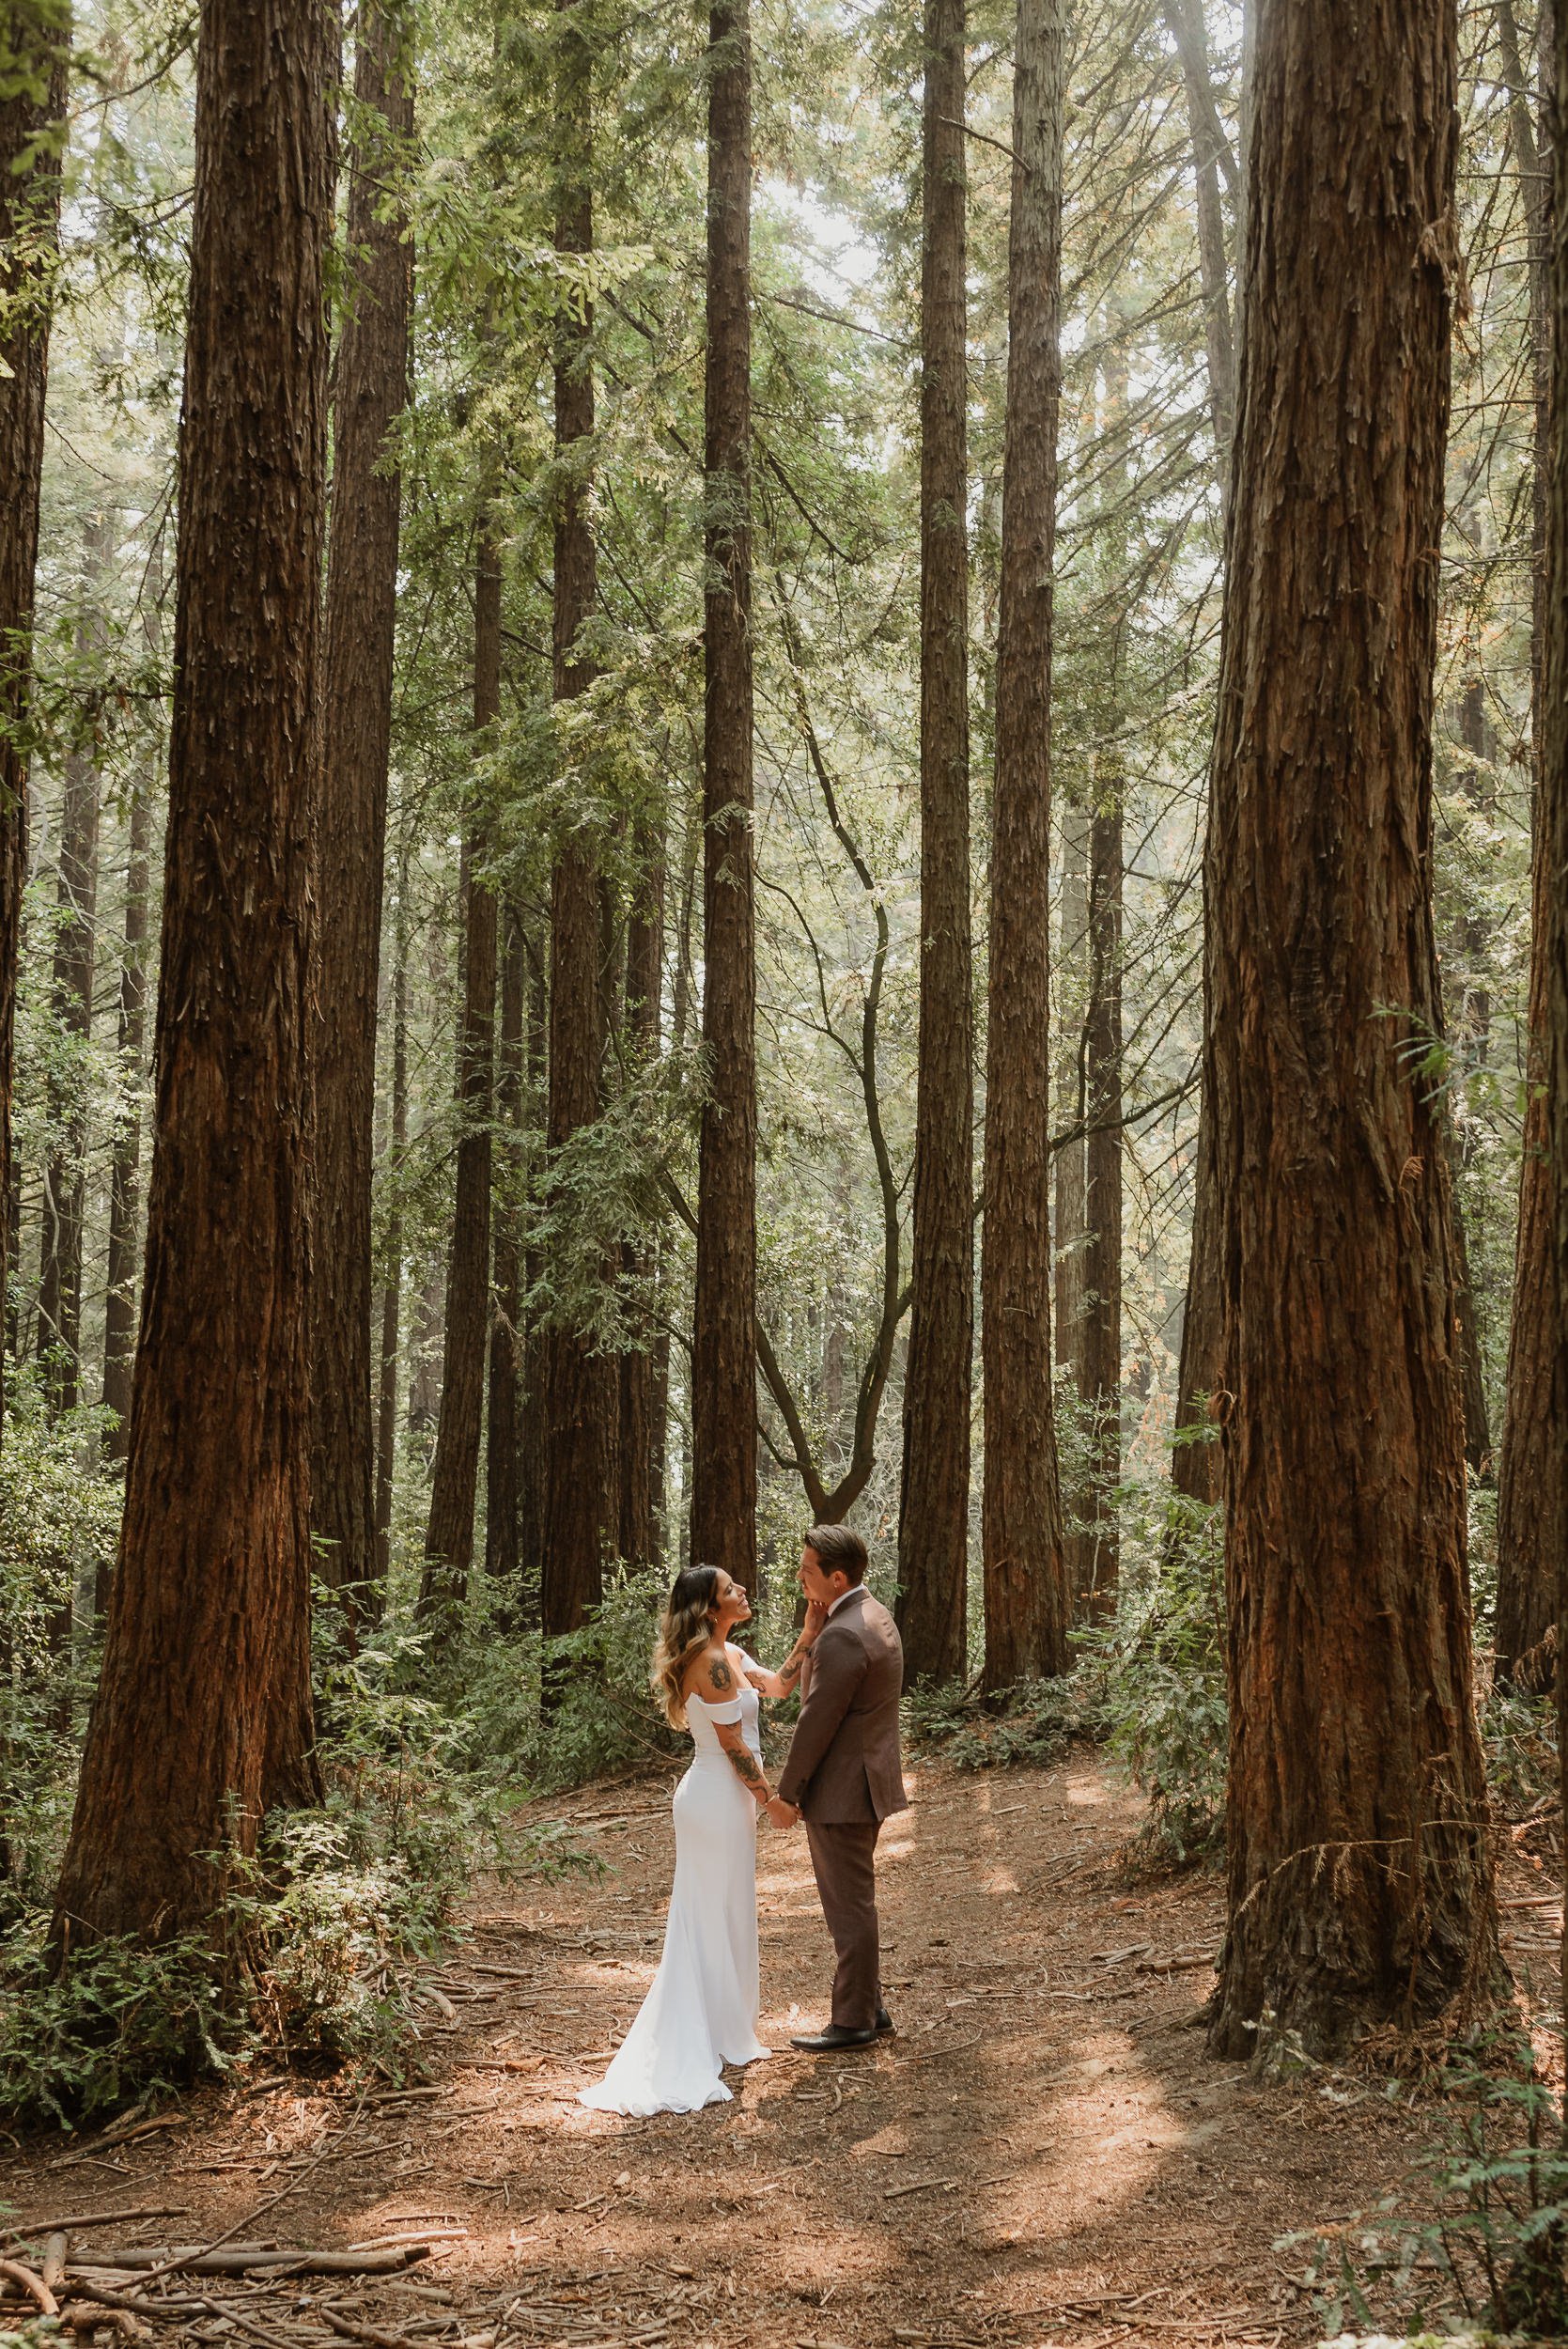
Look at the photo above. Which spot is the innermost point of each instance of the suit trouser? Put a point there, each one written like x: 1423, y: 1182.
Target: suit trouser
x: 844, y: 1861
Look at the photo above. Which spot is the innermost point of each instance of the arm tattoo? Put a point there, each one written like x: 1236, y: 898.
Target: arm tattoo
x: 746, y: 1767
x: 718, y: 1673
x: 792, y: 1670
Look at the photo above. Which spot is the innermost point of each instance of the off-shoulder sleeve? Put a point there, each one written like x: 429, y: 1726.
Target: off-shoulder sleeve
x: 728, y: 1711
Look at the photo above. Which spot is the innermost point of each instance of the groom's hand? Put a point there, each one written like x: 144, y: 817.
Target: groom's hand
x: 782, y: 1814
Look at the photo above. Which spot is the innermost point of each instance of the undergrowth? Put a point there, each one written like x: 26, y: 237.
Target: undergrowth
x: 1488, y: 2240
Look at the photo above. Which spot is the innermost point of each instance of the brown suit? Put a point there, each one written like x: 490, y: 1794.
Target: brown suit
x: 844, y: 1770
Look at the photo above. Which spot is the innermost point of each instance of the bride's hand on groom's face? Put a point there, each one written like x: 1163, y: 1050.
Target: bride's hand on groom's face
x: 816, y: 1615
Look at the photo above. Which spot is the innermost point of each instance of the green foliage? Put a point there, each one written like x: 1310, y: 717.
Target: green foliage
x: 1034, y: 1725
x: 1495, y: 2242
x: 1161, y: 1667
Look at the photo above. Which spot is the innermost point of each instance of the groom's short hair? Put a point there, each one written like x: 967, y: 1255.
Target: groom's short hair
x: 839, y: 1551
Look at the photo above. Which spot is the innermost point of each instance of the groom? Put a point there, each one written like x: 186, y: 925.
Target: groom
x: 843, y: 1773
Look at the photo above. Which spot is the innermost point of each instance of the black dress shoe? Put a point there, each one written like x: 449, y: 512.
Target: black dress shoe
x: 885, y: 2024
x: 837, y: 2036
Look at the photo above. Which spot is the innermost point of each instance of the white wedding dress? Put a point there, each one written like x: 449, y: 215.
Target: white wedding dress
x: 702, y: 2010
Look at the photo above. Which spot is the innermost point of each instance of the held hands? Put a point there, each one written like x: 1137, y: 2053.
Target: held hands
x: 782, y: 1814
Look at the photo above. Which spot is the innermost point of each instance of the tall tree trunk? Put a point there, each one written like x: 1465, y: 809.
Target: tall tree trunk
x: 1532, y: 1469
x: 119, y: 1310
x: 503, y: 1556
x: 934, y: 1501
x: 65, y: 1182
x: 724, y: 1349
x: 455, y: 1471
x: 1360, y: 1881
x: 1095, y: 1561
x: 640, y: 1442
x: 392, y: 1296
x: 1027, y: 1613
x: 1552, y: 814
x: 579, y: 1396
x: 203, y: 1717
x: 1067, y: 1229
x: 531, y: 1468
x: 1209, y: 150
x: 372, y: 369
x: 33, y: 104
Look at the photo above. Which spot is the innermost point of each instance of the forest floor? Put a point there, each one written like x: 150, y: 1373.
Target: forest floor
x: 1044, y: 2154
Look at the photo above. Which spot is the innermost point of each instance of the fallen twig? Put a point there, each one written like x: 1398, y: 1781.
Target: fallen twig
x: 71, y: 2224
x: 34, y: 2286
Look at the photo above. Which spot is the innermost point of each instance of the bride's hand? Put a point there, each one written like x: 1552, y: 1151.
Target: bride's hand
x: 816, y: 1615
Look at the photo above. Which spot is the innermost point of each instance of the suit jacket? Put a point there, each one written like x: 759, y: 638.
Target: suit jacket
x: 843, y: 1767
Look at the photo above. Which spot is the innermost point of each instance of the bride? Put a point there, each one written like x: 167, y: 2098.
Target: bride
x: 702, y: 2010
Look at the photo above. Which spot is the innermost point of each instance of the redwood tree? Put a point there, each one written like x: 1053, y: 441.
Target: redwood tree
x: 1027, y: 1613
x: 203, y: 1717
x: 724, y: 1344
x: 455, y: 1471
x: 934, y: 1502
x: 1532, y: 1471
x: 32, y: 105
x: 371, y: 375
x: 1360, y: 1886
x: 577, y: 1381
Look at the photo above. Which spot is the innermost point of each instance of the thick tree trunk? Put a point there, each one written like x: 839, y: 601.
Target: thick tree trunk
x: 640, y: 1441
x: 934, y: 1502
x: 120, y: 1311
x: 503, y: 1556
x: 203, y: 1717
x: 1027, y: 1613
x: 1094, y: 1558
x: 371, y: 373
x: 29, y: 220
x: 1532, y: 1465
x: 578, y: 1382
x: 1360, y: 1881
x: 724, y: 1347
x: 392, y: 1296
x: 65, y: 1179
x: 455, y: 1472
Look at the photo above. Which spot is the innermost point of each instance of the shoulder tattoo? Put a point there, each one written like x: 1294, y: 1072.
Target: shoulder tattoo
x: 718, y: 1673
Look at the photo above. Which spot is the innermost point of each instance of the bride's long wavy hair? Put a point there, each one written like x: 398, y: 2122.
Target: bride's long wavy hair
x: 686, y: 1630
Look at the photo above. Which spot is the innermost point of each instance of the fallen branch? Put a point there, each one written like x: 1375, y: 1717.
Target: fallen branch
x: 34, y: 2286
x: 370, y: 2334
x: 380, y: 2262
x: 37, y: 2228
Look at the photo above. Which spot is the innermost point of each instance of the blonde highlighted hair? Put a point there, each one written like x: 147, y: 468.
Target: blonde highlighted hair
x: 686, y: 1630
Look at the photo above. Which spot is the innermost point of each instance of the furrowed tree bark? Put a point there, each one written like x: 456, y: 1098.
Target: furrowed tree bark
x: 65, y: 1182
x: 724, y: 1347
x: 578, y: 1390
x: 29, y: 235
x: 1027, y: 1611
x: 502, y: 1555
x: 640, y: 1443
x: 455, y: 1471
x: 203, y: 1718
x: 1532, y: 1472
x: 933, y: 1516
x: 392, y: 1296
x: 119, y: 1310
x: 1360, y: 1881
x: 372, y: 370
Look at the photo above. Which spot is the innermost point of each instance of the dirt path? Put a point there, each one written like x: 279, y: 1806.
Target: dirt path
x: 1044, y: 2154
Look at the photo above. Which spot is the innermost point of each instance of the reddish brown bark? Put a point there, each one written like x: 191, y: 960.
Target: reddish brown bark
x: 392, y: 1296
x: 371, y: 374
x: 455, y: 1471
x: 1532, y: 1468
x: 1027, y: 1611
x: 203, y: 1717
x: 1360, y: 1884
x: 723, y: 1346
x: 29, y: 222
x: 934, y: 1501
x: 577, y: 1383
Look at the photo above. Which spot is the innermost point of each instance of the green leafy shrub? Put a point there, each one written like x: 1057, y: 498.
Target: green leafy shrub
x: 1495, y: 2248
x: 1034, y: 1725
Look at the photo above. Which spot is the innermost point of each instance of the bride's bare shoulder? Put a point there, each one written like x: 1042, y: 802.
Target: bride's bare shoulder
x: 711, y: 1674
